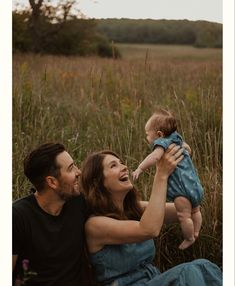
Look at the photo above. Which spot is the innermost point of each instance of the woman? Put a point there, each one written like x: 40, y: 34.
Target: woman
x: 120, y: 229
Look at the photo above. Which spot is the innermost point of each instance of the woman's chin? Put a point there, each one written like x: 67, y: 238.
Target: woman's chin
x: 127, y: 185
x: 130, y: 186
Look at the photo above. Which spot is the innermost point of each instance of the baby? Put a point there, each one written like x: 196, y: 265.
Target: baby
x: 184, y: 187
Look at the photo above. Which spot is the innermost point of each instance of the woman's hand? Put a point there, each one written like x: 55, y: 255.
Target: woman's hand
x: 187, y: 147
x: 170, y: 159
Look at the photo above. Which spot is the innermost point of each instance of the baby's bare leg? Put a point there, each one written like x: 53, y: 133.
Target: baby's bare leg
x: 184, y: 210
x: 197, y: 220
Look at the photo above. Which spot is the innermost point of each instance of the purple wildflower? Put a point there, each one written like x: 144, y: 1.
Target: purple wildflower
x: 25, y: 264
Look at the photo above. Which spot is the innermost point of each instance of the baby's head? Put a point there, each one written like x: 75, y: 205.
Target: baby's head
x: 161, y: 124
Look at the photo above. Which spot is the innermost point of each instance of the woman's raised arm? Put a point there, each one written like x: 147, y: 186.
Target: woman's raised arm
x: 153, y: 216
x: 103, y: 230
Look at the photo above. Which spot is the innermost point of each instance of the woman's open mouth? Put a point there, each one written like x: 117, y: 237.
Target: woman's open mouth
x: 124, y: 178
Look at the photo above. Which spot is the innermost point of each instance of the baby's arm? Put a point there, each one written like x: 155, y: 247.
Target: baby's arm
x: 149, y: 161
x: 187, y: 147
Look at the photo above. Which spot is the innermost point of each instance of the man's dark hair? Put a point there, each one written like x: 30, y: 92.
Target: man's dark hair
x: 41, y: 162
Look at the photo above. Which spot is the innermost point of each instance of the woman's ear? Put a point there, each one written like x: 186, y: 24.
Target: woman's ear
x: 52, y: 182
x: 160, y: 134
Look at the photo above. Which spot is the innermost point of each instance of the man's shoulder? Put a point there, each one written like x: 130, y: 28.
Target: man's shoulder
x: 78, y: 204
x: 23, y: 202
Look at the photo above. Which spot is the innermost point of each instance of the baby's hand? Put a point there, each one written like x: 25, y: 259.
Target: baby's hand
x: 136, y: 174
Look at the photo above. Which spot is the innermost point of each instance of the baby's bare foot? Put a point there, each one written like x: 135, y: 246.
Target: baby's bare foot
x: 196, y: 234
x: 186, y: 243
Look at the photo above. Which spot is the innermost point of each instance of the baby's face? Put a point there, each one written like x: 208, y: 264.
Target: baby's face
x: 151, y: 134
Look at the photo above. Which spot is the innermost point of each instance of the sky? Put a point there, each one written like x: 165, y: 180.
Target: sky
x: 209, y: 10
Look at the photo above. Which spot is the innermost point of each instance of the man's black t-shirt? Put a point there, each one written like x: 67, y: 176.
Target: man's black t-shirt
x: 52, y: 244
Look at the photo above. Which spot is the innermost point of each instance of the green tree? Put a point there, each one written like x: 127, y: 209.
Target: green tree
x: 58, y: 29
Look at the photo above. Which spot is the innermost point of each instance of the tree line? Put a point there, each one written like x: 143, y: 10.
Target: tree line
x: 196, y: 33
x: 58, y: 29
x: 48, y: 29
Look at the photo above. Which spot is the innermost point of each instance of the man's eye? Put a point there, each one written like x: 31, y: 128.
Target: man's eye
x: 72, y: 167
x: 113, y: 165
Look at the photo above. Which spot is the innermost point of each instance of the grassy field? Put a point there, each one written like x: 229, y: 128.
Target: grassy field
x: 93, y: 103
x: 168, y: 52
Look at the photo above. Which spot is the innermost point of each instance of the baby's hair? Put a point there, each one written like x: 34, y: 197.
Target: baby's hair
x: 163, y: 121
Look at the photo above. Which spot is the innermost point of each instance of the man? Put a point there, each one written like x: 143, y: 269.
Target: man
x: 48, y: 225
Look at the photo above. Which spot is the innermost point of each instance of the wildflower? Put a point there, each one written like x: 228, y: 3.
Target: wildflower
x: 26, y: 275
x: 25, y: 264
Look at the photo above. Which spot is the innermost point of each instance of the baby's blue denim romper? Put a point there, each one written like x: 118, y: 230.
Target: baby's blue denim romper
x: 184, y: 181
x: 131, y: 264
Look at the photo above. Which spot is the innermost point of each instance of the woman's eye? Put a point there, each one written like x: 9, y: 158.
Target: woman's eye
x: 113, y: 165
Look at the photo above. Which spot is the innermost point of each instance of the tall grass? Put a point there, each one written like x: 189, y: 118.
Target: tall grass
x: 91, y: 104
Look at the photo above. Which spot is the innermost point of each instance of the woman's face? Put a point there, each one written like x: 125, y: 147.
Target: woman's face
x: 116, y: 175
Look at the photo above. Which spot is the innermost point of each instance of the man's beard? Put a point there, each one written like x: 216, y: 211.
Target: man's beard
x: 66, y: 192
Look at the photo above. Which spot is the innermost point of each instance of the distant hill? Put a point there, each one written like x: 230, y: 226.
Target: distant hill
x: 196, y: 33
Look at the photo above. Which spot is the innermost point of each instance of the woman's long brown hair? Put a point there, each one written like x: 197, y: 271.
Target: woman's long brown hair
x: 98, y: 198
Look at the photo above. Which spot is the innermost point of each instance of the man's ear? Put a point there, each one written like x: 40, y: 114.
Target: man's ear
x: 160, y: 134
x: 51, y: 181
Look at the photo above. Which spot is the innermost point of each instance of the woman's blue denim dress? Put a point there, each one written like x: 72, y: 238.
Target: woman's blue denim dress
x: 131, y: 264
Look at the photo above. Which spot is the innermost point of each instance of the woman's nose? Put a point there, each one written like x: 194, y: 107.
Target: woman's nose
x: 124, y: 167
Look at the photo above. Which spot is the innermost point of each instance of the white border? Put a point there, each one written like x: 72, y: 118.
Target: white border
x: 6, y: 141
x: 228, y: 142
x: 6, y: 145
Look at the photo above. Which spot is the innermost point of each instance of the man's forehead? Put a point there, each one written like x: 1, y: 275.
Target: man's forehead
x: 64, y: 159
